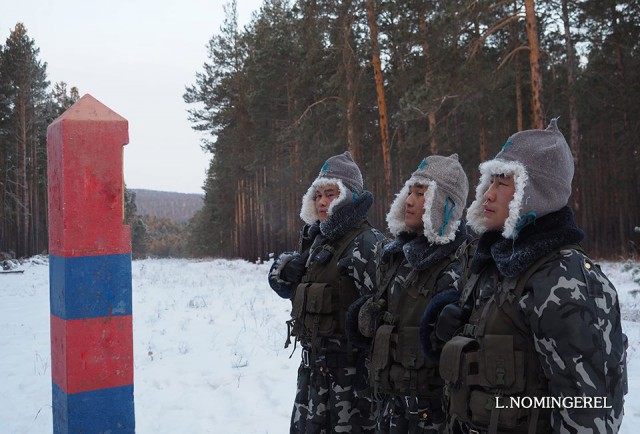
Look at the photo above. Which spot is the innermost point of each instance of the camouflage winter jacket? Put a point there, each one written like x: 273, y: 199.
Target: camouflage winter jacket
x: 553, y: 335
x: 356, y: 266
x: 416, y: 271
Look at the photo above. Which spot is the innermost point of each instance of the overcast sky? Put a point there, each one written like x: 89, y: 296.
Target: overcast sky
x: 136, y: 57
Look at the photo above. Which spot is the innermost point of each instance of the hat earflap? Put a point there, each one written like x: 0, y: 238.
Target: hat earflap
x: 441, y: 219
x: 514, y: 222
x: 308, y: 212
x: 395, y: 216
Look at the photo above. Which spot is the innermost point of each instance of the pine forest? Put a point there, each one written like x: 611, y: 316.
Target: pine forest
x: 390, y: 81
x: 395, y: 81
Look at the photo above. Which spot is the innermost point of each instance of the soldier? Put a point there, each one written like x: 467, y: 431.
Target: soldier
x: 334, y: 265
x: 534, y: 345
x: 424, y: 261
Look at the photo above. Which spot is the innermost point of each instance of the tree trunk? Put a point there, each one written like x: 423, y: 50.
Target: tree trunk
x: 350, y: 72
x: 22, y: 199
x: 518, y: 74
x: 426, y: 51
x: 537, y: 108
x: 382, y: 105
x: 574, y: 139
x: 484, y: 142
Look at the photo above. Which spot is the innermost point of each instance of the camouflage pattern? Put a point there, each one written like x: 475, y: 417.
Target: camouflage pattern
x: 573, y: 313
x: 570, y: 325
x: 326, y: 398
x: 407, y: 297
x: 406, y: 274
x: 326, y: 402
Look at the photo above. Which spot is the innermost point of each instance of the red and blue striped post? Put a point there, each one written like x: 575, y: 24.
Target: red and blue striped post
x: 90, y: 272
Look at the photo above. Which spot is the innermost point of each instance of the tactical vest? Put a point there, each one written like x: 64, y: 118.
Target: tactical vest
x: 321, y: 300
x: 398, y: 365
x: 494, y: 358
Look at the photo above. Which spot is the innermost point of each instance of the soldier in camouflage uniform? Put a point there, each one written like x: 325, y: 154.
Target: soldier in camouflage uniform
x: 334, y: 265
x: 534, y: 345
x: 423, y: 262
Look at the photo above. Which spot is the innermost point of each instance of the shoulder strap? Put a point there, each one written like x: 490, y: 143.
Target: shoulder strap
x: 388, y: 276
x: 522, y: 280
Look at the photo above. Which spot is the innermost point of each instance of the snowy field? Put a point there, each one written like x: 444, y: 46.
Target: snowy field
x: 208, y: 348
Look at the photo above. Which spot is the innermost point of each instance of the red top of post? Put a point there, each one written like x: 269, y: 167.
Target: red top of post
x: 85, y: 182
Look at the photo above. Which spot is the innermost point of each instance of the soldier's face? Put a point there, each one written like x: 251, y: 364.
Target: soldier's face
x: 325, y: 194
x: 414, y: 207
x: 497, y: 199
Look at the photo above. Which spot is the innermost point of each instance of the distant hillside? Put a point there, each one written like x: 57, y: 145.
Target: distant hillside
x: 177, y: 206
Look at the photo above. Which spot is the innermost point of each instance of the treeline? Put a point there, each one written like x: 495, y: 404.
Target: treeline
x: 395, y: 81
x: 151, y: 235
x: 27, y: 106
x: 176, y: 206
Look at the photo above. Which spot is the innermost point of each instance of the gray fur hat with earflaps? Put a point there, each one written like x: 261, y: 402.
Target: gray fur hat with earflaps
x: 541, y: 164
x: 340, y: 170
x: 445, y: 200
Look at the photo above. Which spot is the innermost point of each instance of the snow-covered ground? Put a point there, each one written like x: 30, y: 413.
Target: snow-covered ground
x: 208, y: 348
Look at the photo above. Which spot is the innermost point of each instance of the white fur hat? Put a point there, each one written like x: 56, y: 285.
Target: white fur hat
x: 541, y: 164
x: 340, y: 170
x: 445, y: 201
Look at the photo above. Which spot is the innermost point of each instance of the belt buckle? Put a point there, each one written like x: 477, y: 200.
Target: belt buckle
x: 305, y: 358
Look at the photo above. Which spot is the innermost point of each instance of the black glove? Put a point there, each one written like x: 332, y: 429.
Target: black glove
x: 430, y: 345
x: 294, y: 269
x: 286, y: 267
x: 351, y: 324
x: 369, y: 314
x: 451, y: 319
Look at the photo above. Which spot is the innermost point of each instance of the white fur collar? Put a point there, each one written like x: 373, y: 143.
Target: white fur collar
x: 520, y: 177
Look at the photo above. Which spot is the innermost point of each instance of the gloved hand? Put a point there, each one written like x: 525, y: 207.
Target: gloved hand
x: 451, y: 319
x: 430, y: 345
x: 294, y: 269
x: 351, y: 326
x: 279, y: 279
x: 368, y: 317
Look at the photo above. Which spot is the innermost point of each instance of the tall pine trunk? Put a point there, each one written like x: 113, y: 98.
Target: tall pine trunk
x: 431, y: 116
x: 574, y: 137
x: 350, y: 71
x: 537, y: 108
x: 382, y: 104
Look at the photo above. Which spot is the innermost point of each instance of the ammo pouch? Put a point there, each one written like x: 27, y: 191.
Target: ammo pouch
x: 312, y: 312
x: 478, y: 376
x: 398, y: 365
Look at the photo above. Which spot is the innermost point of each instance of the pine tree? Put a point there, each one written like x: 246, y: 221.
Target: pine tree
x: 24, y: 144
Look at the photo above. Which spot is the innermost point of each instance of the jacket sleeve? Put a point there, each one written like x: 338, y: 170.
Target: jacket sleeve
x: 573, y: 312
x: 359, y: 262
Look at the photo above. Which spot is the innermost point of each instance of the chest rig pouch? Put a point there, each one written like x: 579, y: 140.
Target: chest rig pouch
x: 494, y: 359
x: 398, y: 365
x: 320, y: 302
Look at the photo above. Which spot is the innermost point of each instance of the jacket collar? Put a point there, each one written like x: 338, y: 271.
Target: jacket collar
x: 512, y: 257
x: 419, y: 252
